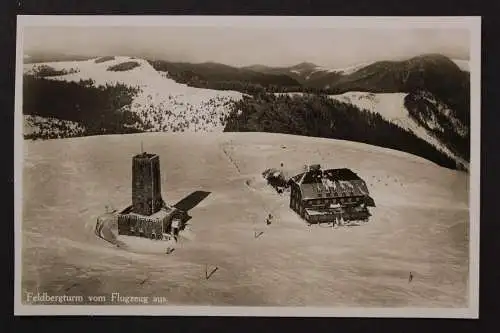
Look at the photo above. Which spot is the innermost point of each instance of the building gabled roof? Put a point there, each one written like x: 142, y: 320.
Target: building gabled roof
x: 331, y: 183
x: 341, y: 174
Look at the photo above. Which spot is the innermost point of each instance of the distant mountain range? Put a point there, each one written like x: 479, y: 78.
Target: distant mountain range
x: 427, y: 72
x: 211, y: 73
x: 427, y: 95
x: 307, y: 71
x: 383, y: 76
x: 435, y: 73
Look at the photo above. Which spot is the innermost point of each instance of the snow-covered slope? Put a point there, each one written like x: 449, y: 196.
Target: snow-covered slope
x: 391, y: 107
x: 462, y: 64
x: 420, y: 224
x: 348, y: 70
x: 318, y: 70
x: 162, y: 103
x: 166, y: 105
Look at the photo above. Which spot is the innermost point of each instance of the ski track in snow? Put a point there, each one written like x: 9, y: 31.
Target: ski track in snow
x: 162, y: 103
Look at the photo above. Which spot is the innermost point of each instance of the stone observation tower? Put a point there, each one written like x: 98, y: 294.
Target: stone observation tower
x: 146, y: 184
x: 148, y: 215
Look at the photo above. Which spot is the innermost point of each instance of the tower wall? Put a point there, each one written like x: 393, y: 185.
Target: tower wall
x: 146, y: 184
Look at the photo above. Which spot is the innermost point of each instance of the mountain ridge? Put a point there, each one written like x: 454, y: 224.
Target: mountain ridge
x: 165, y: 96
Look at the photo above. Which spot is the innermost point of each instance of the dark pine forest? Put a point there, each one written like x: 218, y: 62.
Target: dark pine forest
x: 101, y: 110
x: 320, y: 116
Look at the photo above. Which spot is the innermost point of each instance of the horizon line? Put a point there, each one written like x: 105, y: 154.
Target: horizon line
x: 153, y: 58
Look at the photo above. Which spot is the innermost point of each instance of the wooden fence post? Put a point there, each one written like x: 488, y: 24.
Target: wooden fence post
x: 207, y: 274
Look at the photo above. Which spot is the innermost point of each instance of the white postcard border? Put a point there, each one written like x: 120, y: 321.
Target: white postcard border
x: 473, y: 24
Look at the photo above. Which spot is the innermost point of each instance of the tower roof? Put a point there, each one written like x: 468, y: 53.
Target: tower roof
x: 145, y: 155
x: 317, y: 183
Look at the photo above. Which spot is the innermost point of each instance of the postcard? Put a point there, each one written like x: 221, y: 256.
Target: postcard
x: 250, y: 165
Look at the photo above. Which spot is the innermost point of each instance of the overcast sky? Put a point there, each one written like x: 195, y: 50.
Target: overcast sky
x: 331, y: 47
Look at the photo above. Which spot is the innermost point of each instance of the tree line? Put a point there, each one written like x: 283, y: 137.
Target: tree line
x: 101, y: 110
x: 48, y: 71
x: 425, y: 113
x: 124, y: 66
x: 320, y: 116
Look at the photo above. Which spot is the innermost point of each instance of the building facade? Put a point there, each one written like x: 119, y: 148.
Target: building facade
x: 155, y: 226
x: 146, y: 184
x: 323, y: 196
x: 148, y: 216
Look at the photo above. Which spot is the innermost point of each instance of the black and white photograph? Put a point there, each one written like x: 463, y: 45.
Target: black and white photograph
x: 250, y: 166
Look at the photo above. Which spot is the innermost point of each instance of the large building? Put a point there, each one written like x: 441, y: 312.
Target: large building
x: 148, y: 216
x: 320, y: 196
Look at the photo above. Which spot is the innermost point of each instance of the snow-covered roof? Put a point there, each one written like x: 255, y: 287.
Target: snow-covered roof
x: 145, y: 155
x: 331, y: 183
x: 158, y: 216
